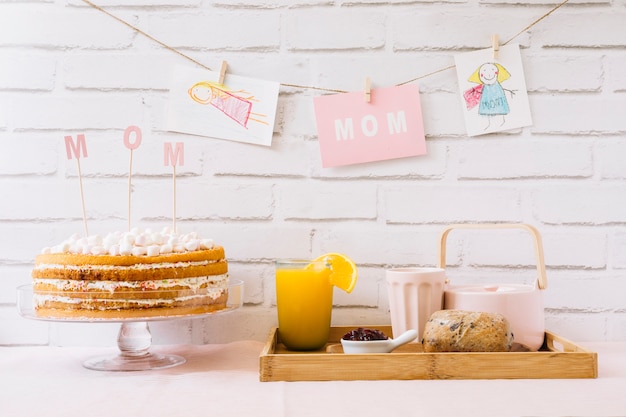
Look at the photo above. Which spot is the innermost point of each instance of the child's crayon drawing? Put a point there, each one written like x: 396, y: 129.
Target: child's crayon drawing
x: 494, y: 98
x: 200, y: 105
x: 235, y: 104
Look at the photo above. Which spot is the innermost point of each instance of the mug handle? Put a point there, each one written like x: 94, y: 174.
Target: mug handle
x: 542, y: 281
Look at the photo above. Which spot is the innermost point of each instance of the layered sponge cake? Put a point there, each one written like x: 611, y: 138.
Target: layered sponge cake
x: 130, y: 275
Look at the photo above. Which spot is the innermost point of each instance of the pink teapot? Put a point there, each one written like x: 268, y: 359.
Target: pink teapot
x: 521, y: 304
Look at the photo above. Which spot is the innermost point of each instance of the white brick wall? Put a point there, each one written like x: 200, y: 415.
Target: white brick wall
x: 66, y: 68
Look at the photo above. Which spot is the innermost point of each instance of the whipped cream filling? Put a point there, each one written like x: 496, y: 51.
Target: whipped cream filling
x: 135, y: 267
x: 40, y: 300
x: 194, y: 284
x: 136, y: 242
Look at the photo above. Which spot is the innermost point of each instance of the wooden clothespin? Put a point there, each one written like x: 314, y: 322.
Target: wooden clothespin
x: 223, y: 72
x: 368, y: 90
x: 495, y: 46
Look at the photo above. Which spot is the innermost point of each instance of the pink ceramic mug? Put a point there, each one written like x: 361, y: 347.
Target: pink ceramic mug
x: 414, y: 295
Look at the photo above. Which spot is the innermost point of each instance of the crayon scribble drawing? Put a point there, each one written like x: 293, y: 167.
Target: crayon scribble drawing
x: 235, y: 104
x: 242, y: 109
x: 493, y: 91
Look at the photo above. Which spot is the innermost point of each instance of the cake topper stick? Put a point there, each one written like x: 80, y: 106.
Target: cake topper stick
x: 75, y: 148
x: 174, y: 156
x: 131, y: 146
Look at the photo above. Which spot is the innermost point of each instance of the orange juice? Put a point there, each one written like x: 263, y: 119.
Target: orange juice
x: 304, y: 299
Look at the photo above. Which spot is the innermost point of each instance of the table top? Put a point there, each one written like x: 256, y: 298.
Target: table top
x: 223, y: 380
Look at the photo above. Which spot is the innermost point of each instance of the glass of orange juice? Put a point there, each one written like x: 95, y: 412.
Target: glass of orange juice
x: 304, y: 299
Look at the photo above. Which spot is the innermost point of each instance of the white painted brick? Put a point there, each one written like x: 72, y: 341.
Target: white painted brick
x: 618, y: 249
x: 589, y: 292
x: 544, y: 73
x: 514, y: 248
x: 11, y: 277
x: 432, y: 30
x: 77, y: 113
x: 451, y: 204
x: 430, y: 166
x: 580, y: 327
x: 582, y: 204
x: 327, y: 201
x: 578, y: 114
x: 270, y: 4
x: 334, y: 29
x: 524, y: 158
x: 442, y: 115
x: 605, y: 29
x: 31, y: 154
x: 250, y: 242
x: 32, y: 237
x: 348, y: 72
x: 253, y: 277
x: 64, y: 28
x: 609, y: 158
x: 63, y: 199
x: 216, y: 30
x: 26, y: 72
x: 259, y: 160
x: 117, y: 71
x: 204, y: 200
x: 133, y: 3
x: 549, y: 4
x: 364, y: 294
x: 616, y: 326
x: 403, y: 245
x: 616, y: 73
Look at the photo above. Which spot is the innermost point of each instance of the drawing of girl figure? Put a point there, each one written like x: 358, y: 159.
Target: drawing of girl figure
x: 489, y: 94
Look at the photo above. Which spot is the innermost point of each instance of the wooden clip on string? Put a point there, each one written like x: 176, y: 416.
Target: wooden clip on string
x: 368, y: 90
x: 495, y: 46
x: 223, y: 72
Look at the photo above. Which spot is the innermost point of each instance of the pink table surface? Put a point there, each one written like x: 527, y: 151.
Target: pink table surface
x: 223, y: 380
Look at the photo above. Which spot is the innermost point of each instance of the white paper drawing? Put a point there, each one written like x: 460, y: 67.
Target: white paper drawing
x: 242, y: 109
x: 493, y: 91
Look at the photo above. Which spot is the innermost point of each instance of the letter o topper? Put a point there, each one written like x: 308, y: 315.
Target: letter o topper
x: 127, y: 133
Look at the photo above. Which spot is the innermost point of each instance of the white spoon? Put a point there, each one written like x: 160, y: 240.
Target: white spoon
x: 377, y: 346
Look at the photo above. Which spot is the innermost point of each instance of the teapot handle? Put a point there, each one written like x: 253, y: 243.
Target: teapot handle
x: 542, y: 281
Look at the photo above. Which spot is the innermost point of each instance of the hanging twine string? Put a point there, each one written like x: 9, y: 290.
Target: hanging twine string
x: 95, y: 6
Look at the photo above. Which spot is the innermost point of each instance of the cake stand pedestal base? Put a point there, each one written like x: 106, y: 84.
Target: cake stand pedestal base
x: 134, y: 341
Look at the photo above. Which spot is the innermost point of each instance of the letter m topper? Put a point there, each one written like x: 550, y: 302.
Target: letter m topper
x: 174, y: 156
x: 75, y: 148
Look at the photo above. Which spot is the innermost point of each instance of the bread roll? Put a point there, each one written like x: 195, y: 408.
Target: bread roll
x: 467, y: 331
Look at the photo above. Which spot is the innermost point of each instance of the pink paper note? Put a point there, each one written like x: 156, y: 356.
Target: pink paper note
x: 352, y: 131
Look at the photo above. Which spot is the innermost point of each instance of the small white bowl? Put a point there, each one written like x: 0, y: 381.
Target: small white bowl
x: 377, y: 346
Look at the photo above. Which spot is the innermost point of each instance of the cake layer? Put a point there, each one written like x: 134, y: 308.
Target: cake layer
x: 127, y: 309
x: 214, y: 254
x: 142, y: 271
x: 166, y: 288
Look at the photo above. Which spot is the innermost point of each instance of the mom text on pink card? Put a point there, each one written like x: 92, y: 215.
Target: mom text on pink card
x: 353, y: 131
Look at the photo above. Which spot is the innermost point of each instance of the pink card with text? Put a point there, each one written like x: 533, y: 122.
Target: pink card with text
x: 353, y: 131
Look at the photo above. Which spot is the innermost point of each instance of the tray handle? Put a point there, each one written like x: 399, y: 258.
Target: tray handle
x: 542, y: 281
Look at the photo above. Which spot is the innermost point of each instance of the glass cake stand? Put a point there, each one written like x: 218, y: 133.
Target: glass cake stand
x: 134, y: 338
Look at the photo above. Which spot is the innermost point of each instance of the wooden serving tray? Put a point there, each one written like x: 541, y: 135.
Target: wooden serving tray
x: 558, y: 358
